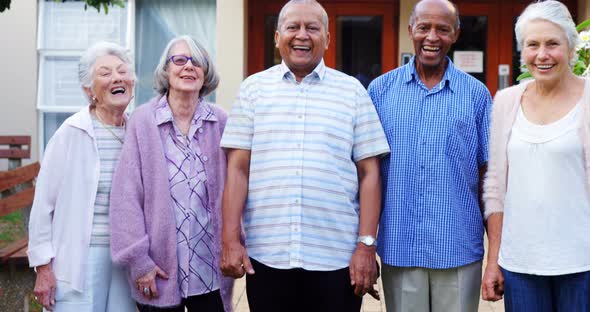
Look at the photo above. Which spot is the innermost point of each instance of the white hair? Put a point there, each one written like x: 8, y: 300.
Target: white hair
x: 89, y: 57
x: 550, y: 11
x: 284, y: 10
x: 199, y: 54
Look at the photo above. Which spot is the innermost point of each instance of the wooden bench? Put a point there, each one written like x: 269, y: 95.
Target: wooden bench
x: 17, y: 192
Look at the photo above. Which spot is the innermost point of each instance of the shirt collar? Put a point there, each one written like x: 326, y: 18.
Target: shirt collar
x: 449, y: 78
x: 164, y: 112
x: 319, y: 71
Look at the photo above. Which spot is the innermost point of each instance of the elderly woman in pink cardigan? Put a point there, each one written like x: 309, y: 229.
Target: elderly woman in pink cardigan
x: 166, y: 195
x: 536, y: 191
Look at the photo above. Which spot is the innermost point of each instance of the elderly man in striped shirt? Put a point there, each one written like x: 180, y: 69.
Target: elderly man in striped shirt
x: 303, y: 143
x: 437, y: 117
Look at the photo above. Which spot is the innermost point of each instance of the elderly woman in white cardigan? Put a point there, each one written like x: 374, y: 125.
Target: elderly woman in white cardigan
x: 69, y: 235
x: 536, y: 192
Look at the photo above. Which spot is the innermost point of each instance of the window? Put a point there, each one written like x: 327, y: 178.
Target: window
x: 66, y: 30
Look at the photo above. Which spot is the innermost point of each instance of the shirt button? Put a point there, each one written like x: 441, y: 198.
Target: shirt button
x: 299, y: 117
x: 200, y: 130
x: 297, y: 201
x: 421, y: 166
x: 297, y: 172
x: 205, y: 158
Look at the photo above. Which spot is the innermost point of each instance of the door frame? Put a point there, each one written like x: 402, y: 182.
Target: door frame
x: 387, y: 9
x: 500, y: 42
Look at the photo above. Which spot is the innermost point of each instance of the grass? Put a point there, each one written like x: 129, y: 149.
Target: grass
x: 11, y: 228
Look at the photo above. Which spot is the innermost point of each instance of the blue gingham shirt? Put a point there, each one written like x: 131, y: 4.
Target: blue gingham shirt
x: 439, y: 139
x: 302, y: 209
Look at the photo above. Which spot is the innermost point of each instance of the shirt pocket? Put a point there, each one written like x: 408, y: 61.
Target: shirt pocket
x: 459, y: 138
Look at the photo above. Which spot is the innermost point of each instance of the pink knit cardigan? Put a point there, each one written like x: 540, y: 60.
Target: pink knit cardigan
x: 504, y: 109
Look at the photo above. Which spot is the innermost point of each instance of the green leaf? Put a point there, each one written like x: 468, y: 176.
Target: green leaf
x: 524, y: 76
x: 106, y: 8
x: 583, y: 25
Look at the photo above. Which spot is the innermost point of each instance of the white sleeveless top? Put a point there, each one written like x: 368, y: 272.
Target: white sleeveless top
x: 546, y: 228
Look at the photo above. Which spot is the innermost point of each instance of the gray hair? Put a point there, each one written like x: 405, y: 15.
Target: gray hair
x: 284, y: 9
x: 550, y: 11
x: 455, y: 9
x: 89, y: 57
x: 199, y: 54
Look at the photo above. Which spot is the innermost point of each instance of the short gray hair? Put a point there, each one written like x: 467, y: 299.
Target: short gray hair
x: 549, y: 11
x: 284, y: 9
x: 89, y: 57
x: 199, y: 54
x: 455, y: 8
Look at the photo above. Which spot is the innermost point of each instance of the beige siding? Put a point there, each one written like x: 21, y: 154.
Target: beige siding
x: 405, y: 9
x: 18, y: 78
x: 231, y: 49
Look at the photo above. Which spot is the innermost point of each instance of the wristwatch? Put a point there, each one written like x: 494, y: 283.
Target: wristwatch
x: 367, y: 240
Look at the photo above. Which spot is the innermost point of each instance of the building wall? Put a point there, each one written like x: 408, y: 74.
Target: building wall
x: 583, y: 10
x: 231, y: 49
x: 18, y: 82
x: 405, y: 9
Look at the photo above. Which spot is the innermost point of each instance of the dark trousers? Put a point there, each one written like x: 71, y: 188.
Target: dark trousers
x: 210, y: 302
x: 536, y: 293
x: 298, y: 290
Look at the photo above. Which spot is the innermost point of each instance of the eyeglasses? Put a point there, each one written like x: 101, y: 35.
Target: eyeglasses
x: 180, y: 60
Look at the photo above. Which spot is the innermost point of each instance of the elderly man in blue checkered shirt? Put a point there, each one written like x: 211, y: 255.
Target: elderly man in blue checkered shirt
x: 436, y: 121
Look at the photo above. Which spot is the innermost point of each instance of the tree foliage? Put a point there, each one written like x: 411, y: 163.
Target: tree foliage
x: 97, y: 4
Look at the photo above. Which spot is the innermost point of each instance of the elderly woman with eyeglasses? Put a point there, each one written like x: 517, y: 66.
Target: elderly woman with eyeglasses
x: 166, y: 198
x: 69, y: 225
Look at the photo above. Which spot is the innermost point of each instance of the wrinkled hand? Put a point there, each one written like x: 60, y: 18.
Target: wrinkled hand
x: 363, y: 270
x: 148, y: 281
x: 492, y: 285
x: 234, y: 260
x: 45, y: 287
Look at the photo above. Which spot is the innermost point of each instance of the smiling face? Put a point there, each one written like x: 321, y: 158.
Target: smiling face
x: 112, y: 82
x: 184, y: 78
x: 546, y: 51
x: 432, y: 34
x: 302, y: 38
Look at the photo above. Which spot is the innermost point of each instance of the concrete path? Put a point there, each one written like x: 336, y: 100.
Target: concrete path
x: 369, y: 304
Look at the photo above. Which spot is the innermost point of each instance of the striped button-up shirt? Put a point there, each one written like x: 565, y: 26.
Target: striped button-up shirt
x: 439, y: 139
x: 302, y: 209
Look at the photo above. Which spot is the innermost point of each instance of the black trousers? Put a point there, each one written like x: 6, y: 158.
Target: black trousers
x: 210, y: 302
x: 298, y: 290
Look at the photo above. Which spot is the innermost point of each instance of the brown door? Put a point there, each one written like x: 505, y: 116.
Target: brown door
x: 487, y: 30
x: 363, y: 36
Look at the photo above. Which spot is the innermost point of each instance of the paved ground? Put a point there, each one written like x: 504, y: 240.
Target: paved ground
x: 369, y: 304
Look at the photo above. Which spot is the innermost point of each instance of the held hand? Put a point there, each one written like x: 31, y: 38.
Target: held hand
x: 492, y: 285
x: 45, y: 287
x: 363, y: 269
x: 147, y: 283
x: 234, y: 260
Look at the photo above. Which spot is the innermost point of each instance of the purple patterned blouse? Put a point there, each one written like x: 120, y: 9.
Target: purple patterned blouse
x: 188, y: 187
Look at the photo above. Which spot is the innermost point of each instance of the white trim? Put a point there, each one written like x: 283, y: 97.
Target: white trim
x: 41, y: 134
x: 60, y: 109
x: 130, y: 38
x: 40, y: 23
